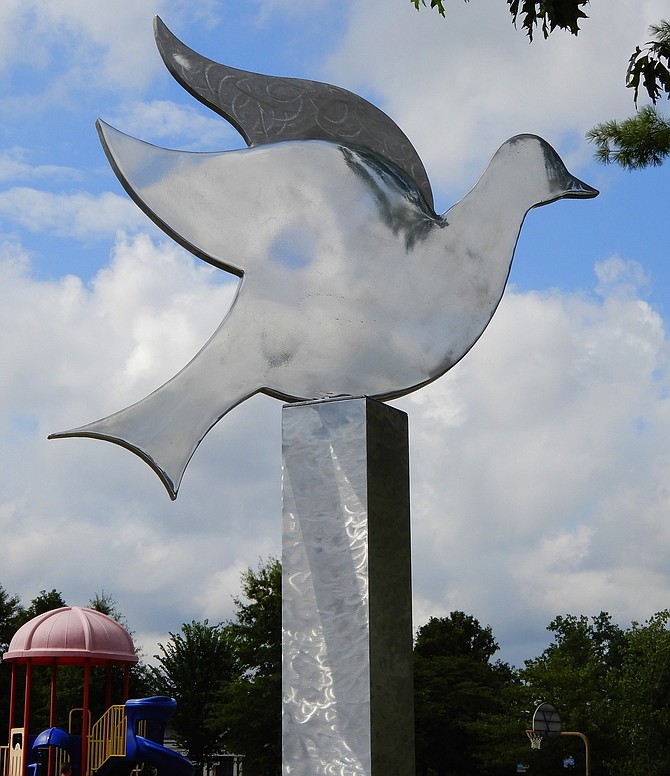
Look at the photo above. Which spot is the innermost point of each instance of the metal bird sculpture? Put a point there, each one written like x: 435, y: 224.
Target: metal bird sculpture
x: 350, y: 283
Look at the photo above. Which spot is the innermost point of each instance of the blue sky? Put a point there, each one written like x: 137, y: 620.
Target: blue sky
x: 539, y: 464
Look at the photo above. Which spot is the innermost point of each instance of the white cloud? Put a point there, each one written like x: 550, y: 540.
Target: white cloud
x: 63, y: 48
x: 623, y: 276
x: 96, y: 43
x: 15, y: 166
x: 82, y: 216
x: 184, y: 127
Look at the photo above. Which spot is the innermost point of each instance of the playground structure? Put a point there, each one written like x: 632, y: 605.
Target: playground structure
x: 126, y: 737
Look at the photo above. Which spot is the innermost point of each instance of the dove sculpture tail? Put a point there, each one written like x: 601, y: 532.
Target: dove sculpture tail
x: 350, y: 285
x: 166, y: 427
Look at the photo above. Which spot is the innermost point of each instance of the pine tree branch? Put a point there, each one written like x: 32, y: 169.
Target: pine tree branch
x: 642, y: 140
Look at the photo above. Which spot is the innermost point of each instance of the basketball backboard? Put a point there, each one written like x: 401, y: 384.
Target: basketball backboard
x: 546, y: 720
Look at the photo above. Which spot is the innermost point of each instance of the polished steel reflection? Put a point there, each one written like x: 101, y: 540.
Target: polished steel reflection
x: 346, y: 594
x: 350, y: 283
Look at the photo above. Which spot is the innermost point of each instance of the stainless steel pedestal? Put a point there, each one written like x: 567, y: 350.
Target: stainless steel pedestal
x: 347, y: 621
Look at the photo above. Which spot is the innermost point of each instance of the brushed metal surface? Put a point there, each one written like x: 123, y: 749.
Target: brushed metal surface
x: 347, y: 630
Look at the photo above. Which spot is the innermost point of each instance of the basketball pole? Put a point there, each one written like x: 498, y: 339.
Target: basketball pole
x: 587, y: 763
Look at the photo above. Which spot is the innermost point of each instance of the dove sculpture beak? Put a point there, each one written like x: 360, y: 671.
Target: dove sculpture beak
x: 580, y: 190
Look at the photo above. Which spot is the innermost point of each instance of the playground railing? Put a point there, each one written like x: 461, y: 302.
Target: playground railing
x: 107, y: 738
x: 60, y: 757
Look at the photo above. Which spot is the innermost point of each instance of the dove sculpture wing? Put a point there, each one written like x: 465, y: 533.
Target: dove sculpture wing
x: 350, y: 283
x: 270, y: 109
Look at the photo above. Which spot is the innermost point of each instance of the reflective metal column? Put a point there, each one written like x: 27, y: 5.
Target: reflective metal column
x: 347, y: 621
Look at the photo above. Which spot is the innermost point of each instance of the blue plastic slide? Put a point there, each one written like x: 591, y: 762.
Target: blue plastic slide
x: 52, y: 737
x: 149, y: 749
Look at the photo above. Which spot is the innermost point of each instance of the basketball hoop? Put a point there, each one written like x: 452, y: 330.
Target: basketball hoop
x: 535, y: 737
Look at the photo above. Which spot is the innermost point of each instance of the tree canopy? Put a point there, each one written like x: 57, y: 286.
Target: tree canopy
x: 11, y: 616
x: 612, y: 684
x: 251, y: 708
x: 456, y: 688
x: 226, y: 678
x: 459, y: 634
x: 195, y: 668
x: 44, y: 601
x: 642, y: 140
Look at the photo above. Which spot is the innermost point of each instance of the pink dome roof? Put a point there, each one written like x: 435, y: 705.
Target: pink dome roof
x: 73, y: 635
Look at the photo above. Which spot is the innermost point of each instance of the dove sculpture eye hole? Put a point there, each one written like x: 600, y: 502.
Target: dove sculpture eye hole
x: 351, y: 285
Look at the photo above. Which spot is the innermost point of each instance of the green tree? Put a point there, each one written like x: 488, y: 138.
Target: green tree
x: 612, y: 685
x: 105, y: 604
x: 642, y: 140
x: 457, y: 689
x: 195, y: 667
x: 43, y: 602
x: 11, y: 615
x: 641, y: 695
x: 251, y: 708
x: 458, y: 634
x: 577, y: 673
